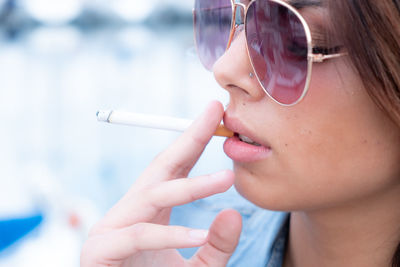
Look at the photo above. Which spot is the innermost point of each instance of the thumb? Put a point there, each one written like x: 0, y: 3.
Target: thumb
x: 222, y: 240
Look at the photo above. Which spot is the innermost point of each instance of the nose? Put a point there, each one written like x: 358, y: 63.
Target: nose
x: 232, y: 71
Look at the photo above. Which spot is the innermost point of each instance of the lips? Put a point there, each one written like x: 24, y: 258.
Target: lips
x: 245, y: 146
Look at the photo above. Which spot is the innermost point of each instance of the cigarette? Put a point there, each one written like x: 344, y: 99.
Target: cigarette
x: 152, y: 121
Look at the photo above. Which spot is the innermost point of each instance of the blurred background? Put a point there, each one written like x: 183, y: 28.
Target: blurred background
x: 60, y: 62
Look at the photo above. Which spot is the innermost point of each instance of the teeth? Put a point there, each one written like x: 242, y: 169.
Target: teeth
x: 247, y: 140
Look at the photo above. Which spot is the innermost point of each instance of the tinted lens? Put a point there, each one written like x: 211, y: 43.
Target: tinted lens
x: 212, y: 22
x: 278, y: 49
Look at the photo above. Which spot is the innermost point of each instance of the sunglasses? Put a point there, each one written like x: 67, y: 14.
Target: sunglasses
x: 278, y: 42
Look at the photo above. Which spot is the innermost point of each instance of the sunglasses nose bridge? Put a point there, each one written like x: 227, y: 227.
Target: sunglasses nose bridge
x: 238, y: 11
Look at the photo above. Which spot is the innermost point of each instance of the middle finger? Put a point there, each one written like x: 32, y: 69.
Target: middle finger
x: 148, y: 202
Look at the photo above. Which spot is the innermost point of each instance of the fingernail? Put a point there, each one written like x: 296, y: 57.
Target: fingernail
x: 198, y: 235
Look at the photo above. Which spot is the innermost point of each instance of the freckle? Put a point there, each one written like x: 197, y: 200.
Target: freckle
x: 286, y: 144
x: 244, y: 104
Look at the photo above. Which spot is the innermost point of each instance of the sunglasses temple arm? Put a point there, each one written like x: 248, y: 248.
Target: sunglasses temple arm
x: 318, y: 58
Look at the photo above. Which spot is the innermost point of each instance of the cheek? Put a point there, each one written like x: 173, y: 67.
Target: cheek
x: 340, y: 167
x: 333, y: 147
x: 319, y: 174
x: 344, y: 147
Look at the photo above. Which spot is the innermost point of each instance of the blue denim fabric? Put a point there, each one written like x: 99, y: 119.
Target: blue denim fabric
x: 263, y: 239
x: 279, y: 247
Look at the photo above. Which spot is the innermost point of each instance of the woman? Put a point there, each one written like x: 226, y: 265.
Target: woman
x: 317, y: 125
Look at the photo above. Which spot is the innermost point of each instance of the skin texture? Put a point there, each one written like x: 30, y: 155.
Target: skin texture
x: 334, y: 162
x: 336, y: 135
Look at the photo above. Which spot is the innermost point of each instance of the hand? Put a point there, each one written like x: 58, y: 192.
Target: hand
x: 135, y: 232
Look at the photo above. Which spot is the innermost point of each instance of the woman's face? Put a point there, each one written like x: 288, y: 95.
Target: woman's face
x: 333, y: 147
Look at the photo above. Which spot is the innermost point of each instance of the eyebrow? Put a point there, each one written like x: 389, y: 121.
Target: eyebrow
x: 299, y: 4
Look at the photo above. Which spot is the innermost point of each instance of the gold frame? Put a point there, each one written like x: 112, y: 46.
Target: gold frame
x: 311, y: 57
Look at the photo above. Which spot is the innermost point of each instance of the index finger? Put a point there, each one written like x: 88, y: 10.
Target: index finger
x: 179, y: 158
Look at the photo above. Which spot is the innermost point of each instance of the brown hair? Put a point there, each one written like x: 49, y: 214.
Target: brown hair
x: 373, y: 44
x: 370, y: 32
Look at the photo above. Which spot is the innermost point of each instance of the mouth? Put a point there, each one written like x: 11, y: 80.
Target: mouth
x: 244, y: 146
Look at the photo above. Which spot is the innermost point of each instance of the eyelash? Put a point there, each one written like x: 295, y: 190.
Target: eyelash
x: 326, y: 50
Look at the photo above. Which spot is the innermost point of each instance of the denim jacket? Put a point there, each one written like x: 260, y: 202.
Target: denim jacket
x: 264, y: 234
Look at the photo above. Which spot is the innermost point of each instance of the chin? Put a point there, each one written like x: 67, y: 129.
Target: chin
x: 256, y: 193
x: 263, y: 193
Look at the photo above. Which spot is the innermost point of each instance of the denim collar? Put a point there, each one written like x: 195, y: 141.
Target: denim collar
x: 279, y: 246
